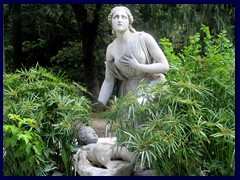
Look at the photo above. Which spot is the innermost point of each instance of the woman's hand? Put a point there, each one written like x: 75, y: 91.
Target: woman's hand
x: 129, y: 61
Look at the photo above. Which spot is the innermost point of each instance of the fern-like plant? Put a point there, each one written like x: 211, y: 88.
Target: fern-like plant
x: 57, y: 105
x: 187, y: 125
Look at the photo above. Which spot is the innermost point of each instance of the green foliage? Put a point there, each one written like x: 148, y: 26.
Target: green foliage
x: 26, y: 153
x: 56, y: 105
x: 179, y: 21
x: 45, y: 30
x: 8, y: 52
x: 33, y: 49
x: 70, y: 60
x: 187, y: 125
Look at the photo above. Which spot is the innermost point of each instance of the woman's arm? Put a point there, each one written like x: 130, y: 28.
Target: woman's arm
x: 106, y: 89
x: 161, y: 64
x: 108, y: 83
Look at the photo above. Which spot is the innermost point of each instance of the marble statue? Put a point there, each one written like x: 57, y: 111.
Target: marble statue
x: 104, y: 159
x: 101, y: 159
x: 133, y: 57
x: 86, y: 135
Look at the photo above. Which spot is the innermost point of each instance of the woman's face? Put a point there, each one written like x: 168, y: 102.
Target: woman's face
x: 120, y: 21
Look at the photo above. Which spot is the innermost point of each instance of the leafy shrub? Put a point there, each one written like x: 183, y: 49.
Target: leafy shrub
x: 8, y: 58
x: 26, y: 150
x: 187, y: 125
x: 70, y: 59
x: 56, y: 106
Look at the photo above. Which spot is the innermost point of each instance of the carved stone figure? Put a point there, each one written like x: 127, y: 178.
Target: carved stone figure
x: 133, y: 57
x: 86, y: 135
x: 101, y: 159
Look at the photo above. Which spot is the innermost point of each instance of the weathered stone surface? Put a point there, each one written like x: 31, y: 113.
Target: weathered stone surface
x: 110, y: 140
x: 116, y: 168
x: 103, y: 159
x: 133, y: 57
x: 86, y: 135
x: 57, y: 174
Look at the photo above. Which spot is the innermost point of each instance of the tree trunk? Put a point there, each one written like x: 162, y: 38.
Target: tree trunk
x: 88, y: 30
x: 17, y: 36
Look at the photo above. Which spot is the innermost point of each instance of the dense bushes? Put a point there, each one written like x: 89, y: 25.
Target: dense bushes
x: 41, y: 114
x: 188, y: 123
x: 70, y: 59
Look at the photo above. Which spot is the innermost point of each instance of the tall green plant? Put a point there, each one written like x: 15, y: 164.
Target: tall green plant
x: 26, y: 153
x: 186, y: 126
x: 57, y: 105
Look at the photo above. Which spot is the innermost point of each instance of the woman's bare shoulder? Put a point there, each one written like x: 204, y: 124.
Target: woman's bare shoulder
x: 147, y: 37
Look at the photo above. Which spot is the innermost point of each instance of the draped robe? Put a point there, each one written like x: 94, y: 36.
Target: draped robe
x: 132, y: 78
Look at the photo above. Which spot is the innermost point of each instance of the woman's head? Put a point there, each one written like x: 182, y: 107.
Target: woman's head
x: 128, y: 13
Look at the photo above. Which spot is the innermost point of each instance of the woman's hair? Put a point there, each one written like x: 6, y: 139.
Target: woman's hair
x: 130, y: 17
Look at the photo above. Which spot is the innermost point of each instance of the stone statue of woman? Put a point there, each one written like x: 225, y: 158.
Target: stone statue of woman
x: 133, y: 57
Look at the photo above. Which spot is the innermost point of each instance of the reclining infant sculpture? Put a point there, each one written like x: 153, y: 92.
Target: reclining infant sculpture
x: 101, y: 159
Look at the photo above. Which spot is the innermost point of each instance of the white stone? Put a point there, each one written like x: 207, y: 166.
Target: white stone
x: 103, y: 159
x: 133, y: 57
x: 110, y: 140
x: 118, y: 168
